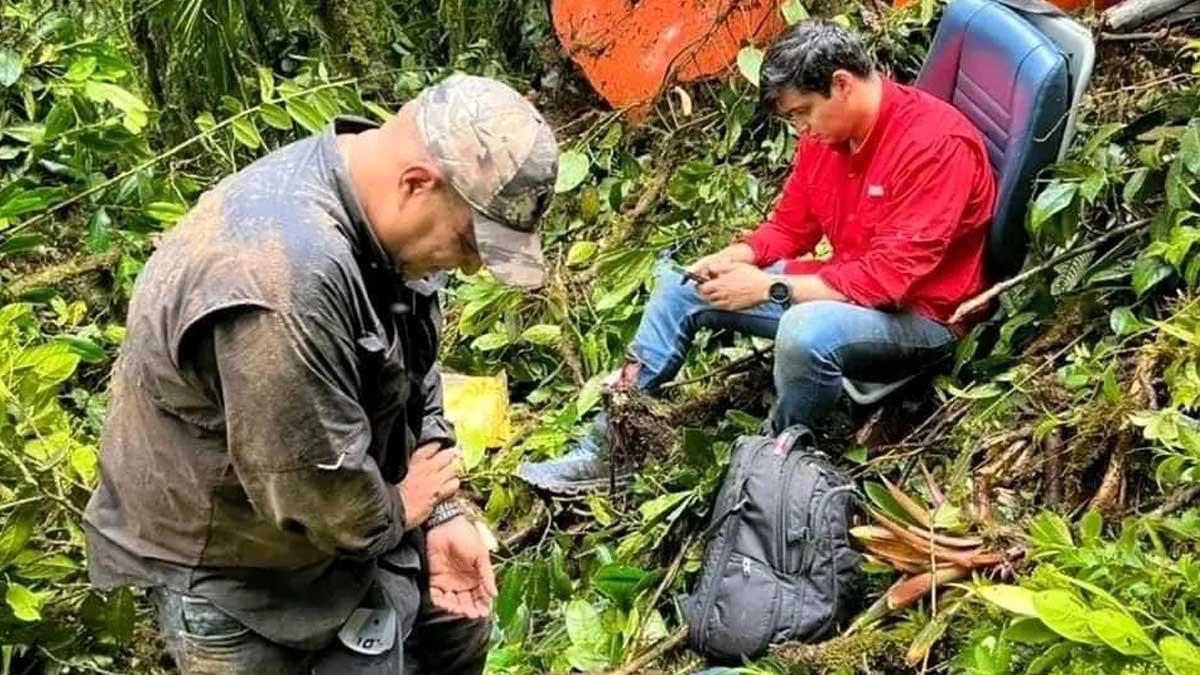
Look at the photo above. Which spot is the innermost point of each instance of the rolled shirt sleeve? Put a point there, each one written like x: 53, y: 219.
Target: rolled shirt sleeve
x: 790, y: 231
x: 297, y: 437
x: 914, y: 229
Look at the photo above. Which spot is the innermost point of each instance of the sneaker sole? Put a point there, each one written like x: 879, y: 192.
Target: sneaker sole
x: 579, y: 486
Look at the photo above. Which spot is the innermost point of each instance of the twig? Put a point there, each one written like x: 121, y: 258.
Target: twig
x: 55, y: 274
x: 635, y: 666
x: 1177, y: 501
x: 987, y: 296
x: 512, y: 541
x: 732, y: 365
x: 673, y: 570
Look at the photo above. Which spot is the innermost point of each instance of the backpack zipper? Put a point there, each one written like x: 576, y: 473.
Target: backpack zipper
x: 781, y: 519
x: 710, y: 597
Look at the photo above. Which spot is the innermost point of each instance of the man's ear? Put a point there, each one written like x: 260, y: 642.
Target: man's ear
x: 418, y: 178
x: 842, y: 84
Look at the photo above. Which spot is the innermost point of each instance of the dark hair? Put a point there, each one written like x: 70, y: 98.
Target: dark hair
x: 806, y: 56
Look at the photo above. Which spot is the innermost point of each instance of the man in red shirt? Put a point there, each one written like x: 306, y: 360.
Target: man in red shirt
x: 899, y: 184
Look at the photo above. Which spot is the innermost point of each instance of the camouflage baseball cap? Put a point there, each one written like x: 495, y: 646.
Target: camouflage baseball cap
x: 501, y: 157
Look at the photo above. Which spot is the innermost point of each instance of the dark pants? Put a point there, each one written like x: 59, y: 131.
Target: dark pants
x: 203, y: 640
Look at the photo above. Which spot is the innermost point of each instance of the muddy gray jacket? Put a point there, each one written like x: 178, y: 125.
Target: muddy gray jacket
x: 275, y: 379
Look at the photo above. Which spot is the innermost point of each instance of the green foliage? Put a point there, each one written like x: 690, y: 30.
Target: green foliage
x: 48, y: 466
x: 1122, y: 605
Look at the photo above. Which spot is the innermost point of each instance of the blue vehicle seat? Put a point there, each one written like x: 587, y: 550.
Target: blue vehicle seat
x: 1013, y: 81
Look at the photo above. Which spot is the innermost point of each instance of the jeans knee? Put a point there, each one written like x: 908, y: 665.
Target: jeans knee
x: 803, y: 340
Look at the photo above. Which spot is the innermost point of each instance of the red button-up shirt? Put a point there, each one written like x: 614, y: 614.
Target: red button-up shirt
x: 906, y: 213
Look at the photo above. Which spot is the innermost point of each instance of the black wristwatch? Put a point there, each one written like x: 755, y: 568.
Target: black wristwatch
x: 780, y: 293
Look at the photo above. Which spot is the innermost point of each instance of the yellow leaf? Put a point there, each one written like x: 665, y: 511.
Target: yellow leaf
x: 478, y: 408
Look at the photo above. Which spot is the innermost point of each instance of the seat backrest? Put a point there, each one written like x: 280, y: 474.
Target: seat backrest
x: 1076, y: 43
x: 1013, y: 83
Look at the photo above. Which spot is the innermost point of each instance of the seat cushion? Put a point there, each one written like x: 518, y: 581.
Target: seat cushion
x: 1012, y: 82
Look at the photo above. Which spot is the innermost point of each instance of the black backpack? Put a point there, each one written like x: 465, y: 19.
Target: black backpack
x: 778, y: 565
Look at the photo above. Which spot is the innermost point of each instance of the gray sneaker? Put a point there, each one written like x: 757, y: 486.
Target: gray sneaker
x: 585, y: 468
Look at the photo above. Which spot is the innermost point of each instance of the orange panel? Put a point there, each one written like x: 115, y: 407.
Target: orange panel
x: 629, y: 50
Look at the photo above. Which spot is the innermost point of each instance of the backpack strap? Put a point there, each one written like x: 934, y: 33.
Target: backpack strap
x: 793, y: 436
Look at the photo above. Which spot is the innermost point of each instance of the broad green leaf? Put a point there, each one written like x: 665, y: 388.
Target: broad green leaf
x: 266, y: 83
x: 275, y: 116
x: 490, y: 341
x: 1178, y: 196
x: 581, y: 253
x: 1148, y: 271
x: 585, y: 658
x: 17, y: 531
x: 620, y: 582
x: 884, y: 501
x: 572, y: 170
x: 99, y: 236
x: 84, y: 461
x: 1123, y: 321
x: 10, y: 67
x: 52, y: 363
x: 657, y: 507
x: 246, y: 133
x: 23, y: 201
x: 87, y: 350
x: 26, y: 605
x: 1049, y: 530
x: 856, y: 454
x: 583, y: 624
x: 1180, y: 655
x: 21, y: 243
x: 81, y: 69
x: 1050, y: 658
x: 793, y: 12
x: 1065, y: 614
x: 543, y: 334
x: 381, y: 113
x: 1030, y: 630
x: 60, y: 118
x: 1014, y: 599
x: 749, y: 62
x: 35, y: 565
x: 120, y: 615
x: 306, y: 115
x: 167, y: 213
x: 1055, y: 198
x: 1121, y: 632
x: 119, y: 97
x: 1090, y: 527
x: 205, y: 122
x: 1189, y: 149
x: 1133, y: 186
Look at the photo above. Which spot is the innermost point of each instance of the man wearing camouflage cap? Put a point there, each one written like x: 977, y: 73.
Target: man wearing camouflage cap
x: 276, y: 466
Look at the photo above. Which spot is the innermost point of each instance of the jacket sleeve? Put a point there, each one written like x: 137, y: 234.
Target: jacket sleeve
x: 914, y: 229
x: 790, y: 231
x: 435, y: 427
x: 297, y: 435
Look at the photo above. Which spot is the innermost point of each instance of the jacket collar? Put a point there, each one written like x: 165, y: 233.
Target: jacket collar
x: 352, y: 221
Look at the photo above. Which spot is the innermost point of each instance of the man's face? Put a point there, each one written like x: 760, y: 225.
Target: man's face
x: 829, y: 119
x: 446, y: 220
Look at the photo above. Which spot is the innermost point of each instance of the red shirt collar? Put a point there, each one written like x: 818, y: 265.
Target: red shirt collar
x: 861, y: 157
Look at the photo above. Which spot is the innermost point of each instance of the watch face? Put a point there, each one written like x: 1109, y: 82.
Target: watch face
x: 780, y: 292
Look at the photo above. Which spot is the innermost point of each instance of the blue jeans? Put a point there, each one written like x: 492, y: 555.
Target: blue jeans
x: 817, y: 343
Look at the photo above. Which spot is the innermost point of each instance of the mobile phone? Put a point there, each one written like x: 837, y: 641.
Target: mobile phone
x: 689, y: 275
